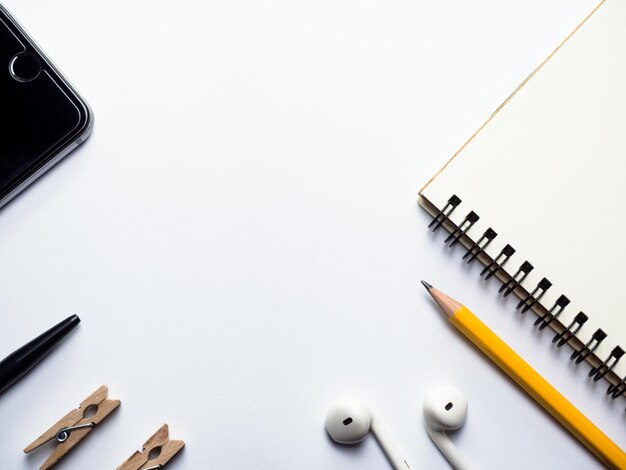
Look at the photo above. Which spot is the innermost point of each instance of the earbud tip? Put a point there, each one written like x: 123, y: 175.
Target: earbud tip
x: 445, y: 407
x: 348, y: 422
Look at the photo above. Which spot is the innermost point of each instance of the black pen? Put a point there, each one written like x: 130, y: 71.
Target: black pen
x: 15, y: 365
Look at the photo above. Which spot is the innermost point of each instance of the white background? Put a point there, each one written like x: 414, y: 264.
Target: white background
x: 241, y: 239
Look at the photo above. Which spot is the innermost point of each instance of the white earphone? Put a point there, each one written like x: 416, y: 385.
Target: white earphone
x: 349, y: 422
x: 445, y: 409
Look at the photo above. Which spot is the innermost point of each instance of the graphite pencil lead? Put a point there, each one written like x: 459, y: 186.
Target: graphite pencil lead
x: 427, y: 285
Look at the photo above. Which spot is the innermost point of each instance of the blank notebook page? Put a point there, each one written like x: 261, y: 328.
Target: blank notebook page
x: 548, y: 173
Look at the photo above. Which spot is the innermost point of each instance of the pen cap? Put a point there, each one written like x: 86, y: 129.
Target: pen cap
x: 25, y: 358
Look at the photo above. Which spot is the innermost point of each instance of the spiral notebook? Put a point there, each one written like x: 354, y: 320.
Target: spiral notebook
x: 538, y: 195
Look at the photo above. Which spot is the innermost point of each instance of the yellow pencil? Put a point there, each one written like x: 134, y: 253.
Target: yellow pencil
x: 530, y: 380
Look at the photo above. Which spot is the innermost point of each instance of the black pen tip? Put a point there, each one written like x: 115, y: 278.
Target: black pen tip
x: 427, y: 285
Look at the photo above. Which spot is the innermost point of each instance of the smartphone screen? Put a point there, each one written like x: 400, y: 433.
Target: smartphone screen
x: 41, y: 115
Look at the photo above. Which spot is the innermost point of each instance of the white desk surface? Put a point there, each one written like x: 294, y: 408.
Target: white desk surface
x: 241, y: 238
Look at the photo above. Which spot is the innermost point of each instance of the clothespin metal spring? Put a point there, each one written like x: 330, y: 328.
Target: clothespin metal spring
x: 64, y: 433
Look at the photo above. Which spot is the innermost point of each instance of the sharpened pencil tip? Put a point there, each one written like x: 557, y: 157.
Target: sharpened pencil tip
x: 427, y: 285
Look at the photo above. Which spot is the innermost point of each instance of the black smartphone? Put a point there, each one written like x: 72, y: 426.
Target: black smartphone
x: 42, y: 117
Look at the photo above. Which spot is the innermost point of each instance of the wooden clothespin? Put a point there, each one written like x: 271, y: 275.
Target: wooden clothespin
x: 159, y: 440
x: 74, y: 426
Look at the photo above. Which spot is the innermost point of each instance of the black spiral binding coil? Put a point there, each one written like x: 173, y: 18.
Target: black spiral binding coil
x: 481, y: 245
x: 570, y: 331
x: 617, y: 390
x: 517, y: 278
x: 593, y: 343
x: 535, y: 296
x: 470, y: 219
x: 445, y: 212
x: 476, y: 248
x: 607, y: 365
x: 553, y: 313
x: 499, y: 261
